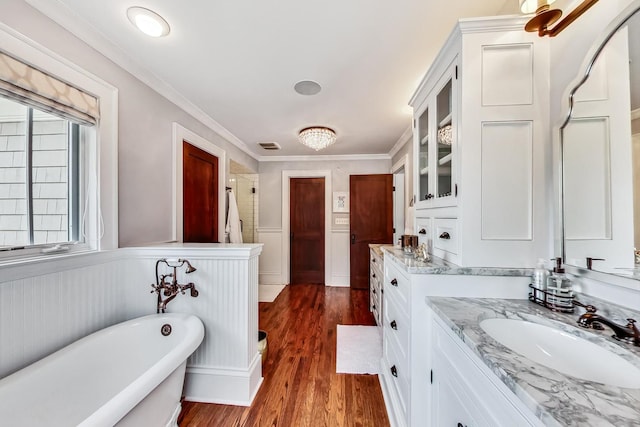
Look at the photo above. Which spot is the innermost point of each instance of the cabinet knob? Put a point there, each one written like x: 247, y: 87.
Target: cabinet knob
x: 393, y: 325
x: 422, y: 231
x: 373, y: 306
x: 374, y: 274
x: 445, y: 236
x: 394, y: 371
x: 394, y: 282
x: 374, y: 291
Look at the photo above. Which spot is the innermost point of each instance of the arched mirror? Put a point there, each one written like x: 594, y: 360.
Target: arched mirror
x: 600, y: 146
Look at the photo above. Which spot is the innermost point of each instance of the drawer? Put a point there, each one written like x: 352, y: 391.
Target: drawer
x: 396, y: 284
x: 445, y: 237
x: 424, y: 230
x: 396, y: 324
x: 396, y: 370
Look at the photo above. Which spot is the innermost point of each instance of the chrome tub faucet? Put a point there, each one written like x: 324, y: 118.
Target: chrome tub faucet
x: 169, y: 289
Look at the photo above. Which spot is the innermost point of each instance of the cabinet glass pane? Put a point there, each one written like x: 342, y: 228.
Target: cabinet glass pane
x: 444, y: 155
x: 423, y: 153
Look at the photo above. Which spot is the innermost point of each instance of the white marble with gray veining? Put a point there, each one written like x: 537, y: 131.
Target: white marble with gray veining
x: 556, y: 399
x: 439, y: 266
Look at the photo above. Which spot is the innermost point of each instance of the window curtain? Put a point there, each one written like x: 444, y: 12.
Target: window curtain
x: 28, y: 85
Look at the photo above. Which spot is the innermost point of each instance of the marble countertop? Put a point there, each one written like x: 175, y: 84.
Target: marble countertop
x: 439, y: 266
x: 556, y: 399
x: 377, y: 248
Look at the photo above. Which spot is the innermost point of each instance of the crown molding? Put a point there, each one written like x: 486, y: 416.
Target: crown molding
x: 406, y: 136
x: 325, y: 158
x: 73, y: 23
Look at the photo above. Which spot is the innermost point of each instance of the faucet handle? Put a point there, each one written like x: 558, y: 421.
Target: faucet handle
x: 636, y: 333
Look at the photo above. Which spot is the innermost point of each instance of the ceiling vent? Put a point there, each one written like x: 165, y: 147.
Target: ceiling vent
x: 269, y: 145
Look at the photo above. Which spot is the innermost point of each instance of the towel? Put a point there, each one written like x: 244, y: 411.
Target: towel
x: 233, y: 220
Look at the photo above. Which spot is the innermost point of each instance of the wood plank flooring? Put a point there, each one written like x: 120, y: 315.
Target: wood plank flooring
x: 301, y: 387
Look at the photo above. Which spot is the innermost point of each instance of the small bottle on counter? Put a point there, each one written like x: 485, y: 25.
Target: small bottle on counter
x: 540, y: 276
x: 559, y: 289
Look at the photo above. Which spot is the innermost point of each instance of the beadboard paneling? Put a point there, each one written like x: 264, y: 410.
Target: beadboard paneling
x: 42, y: 314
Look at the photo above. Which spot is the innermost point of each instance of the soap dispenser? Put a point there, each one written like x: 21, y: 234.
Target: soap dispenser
x: 540, y: 276
x: 559, y: 290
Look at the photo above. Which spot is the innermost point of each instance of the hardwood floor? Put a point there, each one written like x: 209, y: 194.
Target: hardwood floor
x: 301, y: 387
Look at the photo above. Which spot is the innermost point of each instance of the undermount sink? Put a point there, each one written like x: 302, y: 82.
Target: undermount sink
x: 563, y: 352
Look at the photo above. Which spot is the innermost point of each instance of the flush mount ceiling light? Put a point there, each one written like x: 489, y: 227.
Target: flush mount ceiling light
x: 545, y: 16
x: 307, y: 87
x: 317, y: 137
x: 148, y: 21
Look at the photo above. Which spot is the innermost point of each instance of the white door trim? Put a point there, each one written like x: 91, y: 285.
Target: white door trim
x: 286, y: 176
x: 180, y: 134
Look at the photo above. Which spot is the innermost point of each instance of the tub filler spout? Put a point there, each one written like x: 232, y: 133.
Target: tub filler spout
x: 166, y: 289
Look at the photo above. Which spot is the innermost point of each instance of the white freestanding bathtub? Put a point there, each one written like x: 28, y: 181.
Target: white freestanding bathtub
x: 129, y: 374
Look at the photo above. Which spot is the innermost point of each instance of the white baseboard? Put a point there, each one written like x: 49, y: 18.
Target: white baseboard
x: 270, y: 279
x: 223, y: 386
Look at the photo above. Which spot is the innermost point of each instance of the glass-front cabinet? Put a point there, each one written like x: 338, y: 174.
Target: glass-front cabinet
x: 435, y: 133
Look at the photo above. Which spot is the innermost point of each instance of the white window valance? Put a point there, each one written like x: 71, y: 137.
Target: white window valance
x: 26, y: 84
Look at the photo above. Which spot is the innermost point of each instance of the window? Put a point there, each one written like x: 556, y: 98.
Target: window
x: 40, y: 180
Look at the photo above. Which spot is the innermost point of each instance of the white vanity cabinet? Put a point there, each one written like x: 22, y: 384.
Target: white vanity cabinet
x: 480, y: 143
x: 465, y: 393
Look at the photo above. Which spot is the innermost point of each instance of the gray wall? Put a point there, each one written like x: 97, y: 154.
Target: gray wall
x: 270, y: 197
x: 145, y: 129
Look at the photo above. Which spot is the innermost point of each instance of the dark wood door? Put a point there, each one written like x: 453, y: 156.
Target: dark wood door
x: 200, y: 195
x: 370, y: 219
x: 306, y: 225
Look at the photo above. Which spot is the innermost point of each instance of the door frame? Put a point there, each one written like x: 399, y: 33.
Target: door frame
x: 181, y: 134
x: 286, y: 176
x: 403, y: 162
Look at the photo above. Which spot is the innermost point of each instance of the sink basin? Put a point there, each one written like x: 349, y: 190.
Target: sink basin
x: 563, y: 352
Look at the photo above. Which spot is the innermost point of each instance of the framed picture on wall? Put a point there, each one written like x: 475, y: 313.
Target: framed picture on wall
x: 341, y: 201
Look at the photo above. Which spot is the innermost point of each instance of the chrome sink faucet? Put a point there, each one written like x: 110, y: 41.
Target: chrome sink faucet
x: 170, y: 289
x: 590, y: 319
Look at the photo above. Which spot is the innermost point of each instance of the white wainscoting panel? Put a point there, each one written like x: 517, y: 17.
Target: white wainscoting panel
x: 340, y: 265
x: 507, y: 180
x: 44, y: 308
x: 271, y: 257
x: 507, y: 74
x: 45, y: 312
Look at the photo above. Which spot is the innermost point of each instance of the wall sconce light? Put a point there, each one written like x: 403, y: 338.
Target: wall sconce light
x: 545, y: 16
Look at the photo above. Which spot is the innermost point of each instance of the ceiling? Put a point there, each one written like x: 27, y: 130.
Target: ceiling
x: 237, y: 61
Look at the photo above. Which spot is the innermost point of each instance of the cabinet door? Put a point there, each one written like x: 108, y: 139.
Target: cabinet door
x: 422, y: 132
x: 443, y: 145
x: 449, y: 408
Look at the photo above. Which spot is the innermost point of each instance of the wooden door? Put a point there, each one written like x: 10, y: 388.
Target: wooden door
x: 371, y: 220
x: 200, y: 195
x: 306, y: 217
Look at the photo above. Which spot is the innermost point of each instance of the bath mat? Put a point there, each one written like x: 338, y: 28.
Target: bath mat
x: 359, y: 349
x: 268, y: 293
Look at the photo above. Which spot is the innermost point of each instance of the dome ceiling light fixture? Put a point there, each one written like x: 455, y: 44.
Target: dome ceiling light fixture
x: 148, y: 21
x: 545, y: 16
x: 317, y: 137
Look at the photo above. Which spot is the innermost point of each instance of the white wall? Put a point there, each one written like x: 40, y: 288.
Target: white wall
x: 145, y: 129
x: 273, y: 269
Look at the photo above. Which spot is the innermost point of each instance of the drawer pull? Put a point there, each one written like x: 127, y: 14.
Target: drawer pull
x: 394, y: 282
x: 374, y: 274
x: 394, y: 371
x: 374, y: 260
x: 393, y: 325
x: 374, y: 291
x: 374, y: 306
x: 445, y: 236
x: 422, y: 231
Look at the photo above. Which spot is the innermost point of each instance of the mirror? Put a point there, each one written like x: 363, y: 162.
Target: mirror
x: 600, y: 149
